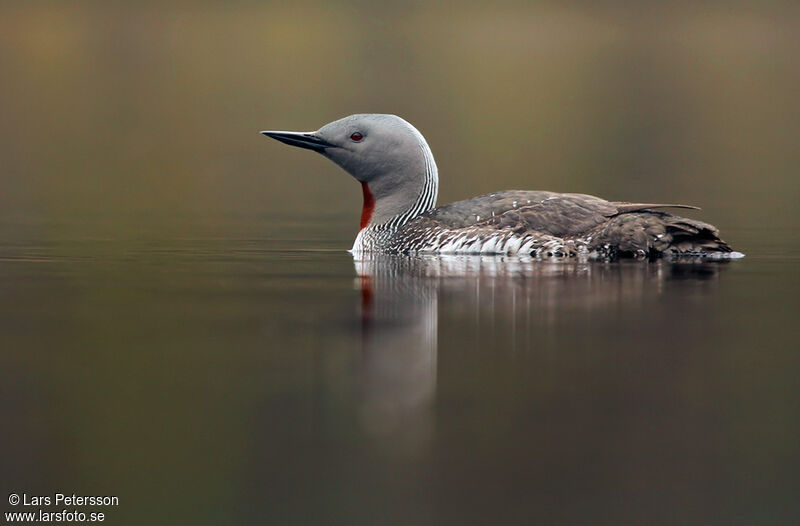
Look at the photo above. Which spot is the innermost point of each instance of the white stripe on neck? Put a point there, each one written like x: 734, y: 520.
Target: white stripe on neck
x: 374, y: 237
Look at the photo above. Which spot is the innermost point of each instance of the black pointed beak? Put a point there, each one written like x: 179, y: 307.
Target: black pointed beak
x: 307, y: 140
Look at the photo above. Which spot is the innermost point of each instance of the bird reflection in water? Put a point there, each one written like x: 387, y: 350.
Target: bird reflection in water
x: 399, y: 323
x: 403, y: 296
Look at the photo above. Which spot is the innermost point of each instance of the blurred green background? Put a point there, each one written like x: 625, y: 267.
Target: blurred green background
x: 165, y: 340
x: 122, y: 114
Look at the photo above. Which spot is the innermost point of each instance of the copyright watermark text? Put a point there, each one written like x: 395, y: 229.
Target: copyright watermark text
x: 70, y: 506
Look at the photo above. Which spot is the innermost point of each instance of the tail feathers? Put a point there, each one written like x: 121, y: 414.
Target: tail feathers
x: 654, y: 234
x: 689, y: 237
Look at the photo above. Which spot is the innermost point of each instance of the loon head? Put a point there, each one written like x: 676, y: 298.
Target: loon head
x: 385, y: 153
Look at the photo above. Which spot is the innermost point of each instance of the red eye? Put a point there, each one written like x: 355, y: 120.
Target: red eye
x: 356, y: 136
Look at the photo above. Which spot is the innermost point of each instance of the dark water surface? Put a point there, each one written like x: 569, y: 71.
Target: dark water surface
x: 169, y: 336
x: 275, y: 380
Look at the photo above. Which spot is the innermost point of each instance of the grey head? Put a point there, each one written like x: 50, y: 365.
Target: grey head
x: 385, y: 153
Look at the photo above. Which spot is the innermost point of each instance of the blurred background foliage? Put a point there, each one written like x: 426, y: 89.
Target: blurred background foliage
x: 123, y: 114
x: 135, y: 353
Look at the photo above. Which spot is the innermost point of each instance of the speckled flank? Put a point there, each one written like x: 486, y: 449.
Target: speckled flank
x: 550, y: 225
x: 473, y: 240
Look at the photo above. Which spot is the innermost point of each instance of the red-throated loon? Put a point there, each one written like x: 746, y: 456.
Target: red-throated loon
x: 400, y: 183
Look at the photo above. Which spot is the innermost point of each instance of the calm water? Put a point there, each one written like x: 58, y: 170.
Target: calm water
x: 168, y: 336
x: 225, y: 380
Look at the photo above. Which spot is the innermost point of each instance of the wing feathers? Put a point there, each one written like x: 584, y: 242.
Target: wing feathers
x: 543, y: 218
x: 624, y: 208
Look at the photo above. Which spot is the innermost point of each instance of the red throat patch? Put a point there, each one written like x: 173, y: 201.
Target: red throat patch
x: 369, y: 205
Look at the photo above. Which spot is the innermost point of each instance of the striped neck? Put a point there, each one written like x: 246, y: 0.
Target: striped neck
x: 375, y: 236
